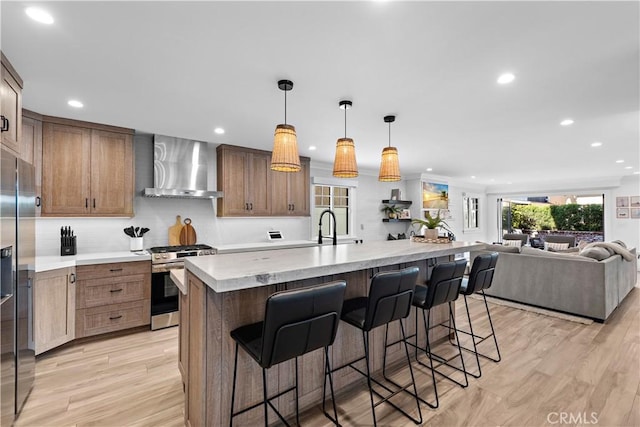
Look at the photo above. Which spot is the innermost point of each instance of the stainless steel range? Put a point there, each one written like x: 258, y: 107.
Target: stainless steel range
x: 164, y: 293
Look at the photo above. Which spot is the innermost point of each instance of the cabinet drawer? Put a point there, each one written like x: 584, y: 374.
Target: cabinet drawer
x: 114, y: 317
x: 97, y: 292
x: 113, y: 270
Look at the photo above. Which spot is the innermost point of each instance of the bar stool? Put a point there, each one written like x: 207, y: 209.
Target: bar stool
x: 480, y: 278
x: 442, y: 288
x: 390, y: 296
x: 295, y: 322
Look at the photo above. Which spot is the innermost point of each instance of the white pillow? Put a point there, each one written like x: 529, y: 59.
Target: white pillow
x: 516, y: 243
x: 555, y: 246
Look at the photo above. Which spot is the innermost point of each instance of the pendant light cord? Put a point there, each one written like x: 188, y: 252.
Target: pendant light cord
x: 389, y: 134
x: 345, y: 121
x: 285, y: 106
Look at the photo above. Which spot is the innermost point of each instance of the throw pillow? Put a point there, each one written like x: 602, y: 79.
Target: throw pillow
x: 595, y: 252
x: 501, y: 248
x: 516, y: 243
x: 555, y: 246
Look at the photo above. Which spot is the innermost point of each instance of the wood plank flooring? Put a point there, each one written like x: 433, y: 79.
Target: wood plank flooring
x: 549, y: 367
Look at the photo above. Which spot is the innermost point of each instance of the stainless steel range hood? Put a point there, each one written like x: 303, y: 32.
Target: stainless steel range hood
x: 180, y: 168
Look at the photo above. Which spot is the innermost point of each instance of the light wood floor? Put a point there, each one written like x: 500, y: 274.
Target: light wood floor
x: 550, y: 366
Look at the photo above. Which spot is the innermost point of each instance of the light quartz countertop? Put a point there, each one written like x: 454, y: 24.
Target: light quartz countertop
x: 178, y: 277
x: 46, y: 263
x: 231, y: 272
x: 263, y: 246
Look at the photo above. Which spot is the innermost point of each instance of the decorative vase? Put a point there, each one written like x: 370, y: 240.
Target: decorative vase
x: 431, y: 233
x: 392, y: 215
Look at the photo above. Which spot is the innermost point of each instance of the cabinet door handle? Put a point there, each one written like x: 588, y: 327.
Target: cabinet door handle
x: 38, y: 201
x: 250, y: 206
x: 293, y: 207
x: 246, y: 206
x: 72, y: 278
x: 113, y: 270
x: 5, y: 124
x: 115, y: 290
x: 115, y: 317
x: 86, y: 203
x: 94, y: 203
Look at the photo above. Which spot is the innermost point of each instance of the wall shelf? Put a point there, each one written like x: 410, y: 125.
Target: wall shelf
x: 397, y: 202
x: 396, y: 220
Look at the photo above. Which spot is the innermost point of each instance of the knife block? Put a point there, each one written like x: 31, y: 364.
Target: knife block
x: 68, y: 245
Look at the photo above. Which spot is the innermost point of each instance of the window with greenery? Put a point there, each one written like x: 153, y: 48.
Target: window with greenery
x: 470, y: 213
x: 338, y: 199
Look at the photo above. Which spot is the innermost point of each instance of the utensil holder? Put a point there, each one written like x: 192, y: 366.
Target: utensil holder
x: 136, y: 244
x: 68, y: 245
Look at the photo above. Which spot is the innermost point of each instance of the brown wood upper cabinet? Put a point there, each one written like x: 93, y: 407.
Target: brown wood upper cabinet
x: 87, y: 169
x: 10, y: 106
x: 252, y: 189
x: 31, y: 149
x: 290, y: 191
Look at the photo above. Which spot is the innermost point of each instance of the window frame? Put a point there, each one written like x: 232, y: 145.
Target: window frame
x: 333, y: 183
x: 468, y: 212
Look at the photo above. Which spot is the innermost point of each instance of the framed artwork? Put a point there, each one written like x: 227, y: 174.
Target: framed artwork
x: 622, y: 202
x: 435, y: 195
x: 405, y: 214
x: 635, y: 201
x: 635, y: 213
x: 622, y: 212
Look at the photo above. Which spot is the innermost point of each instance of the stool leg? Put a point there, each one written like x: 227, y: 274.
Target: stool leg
x: 493, y: 332
x: 426, y: 318
x: 473, y: 340
x: 413, y: 379
x: 233, y: 390
x: 455, y: 330
x: 365, y: 339
x: 264, y: 393
x: 327, y: 372
x: 297, y: 411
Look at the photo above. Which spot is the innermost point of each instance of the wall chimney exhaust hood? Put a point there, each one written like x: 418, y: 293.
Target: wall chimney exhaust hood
x: 180, y: 169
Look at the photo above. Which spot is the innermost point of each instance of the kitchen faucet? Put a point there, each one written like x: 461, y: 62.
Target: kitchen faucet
x: 335, y: 233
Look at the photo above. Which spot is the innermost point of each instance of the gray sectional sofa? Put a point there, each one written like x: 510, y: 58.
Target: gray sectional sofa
x: 564, y: 282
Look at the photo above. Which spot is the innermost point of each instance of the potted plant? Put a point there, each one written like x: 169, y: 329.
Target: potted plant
x: 392, y: 211
x: 431, y: 223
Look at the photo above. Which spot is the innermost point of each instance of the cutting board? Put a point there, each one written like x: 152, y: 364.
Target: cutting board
x: 174, y: 232
x: 188, y: 233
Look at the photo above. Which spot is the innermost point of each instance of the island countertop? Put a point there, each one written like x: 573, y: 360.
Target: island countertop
x: 232, y: 272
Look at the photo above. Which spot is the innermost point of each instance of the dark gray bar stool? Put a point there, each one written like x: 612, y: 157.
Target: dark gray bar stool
x: 443, y: 287
x: 480, y: 278
x: 390, y: 296
x: 295, y: 322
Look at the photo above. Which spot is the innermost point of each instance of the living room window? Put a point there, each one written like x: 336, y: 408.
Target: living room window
x: 470, y: 213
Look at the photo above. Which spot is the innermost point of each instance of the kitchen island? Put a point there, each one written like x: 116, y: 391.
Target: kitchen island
x: 228, y: 291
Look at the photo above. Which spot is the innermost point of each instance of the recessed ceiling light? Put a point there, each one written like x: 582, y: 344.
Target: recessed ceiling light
x: 219, y: 131
x: 596, y: 144
x: 566, y: 122
x: 39, y: 15
x: 628, y: 167
x: 509, y: 182
x: 429, y: 169
x: 473, y: 177
x: 506, y: 78
x: 492, y: 179
x: 75, y: 103
x: 619, y: 161
x: 312, y: 148
x: 636, y: 173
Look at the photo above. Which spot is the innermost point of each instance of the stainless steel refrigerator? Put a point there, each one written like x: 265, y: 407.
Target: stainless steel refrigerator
x: 17, y: 248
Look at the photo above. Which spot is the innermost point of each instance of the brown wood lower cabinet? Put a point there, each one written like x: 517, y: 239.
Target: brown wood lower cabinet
x: 112, y: 297
x: 183, y: 344
x: 54, y: 312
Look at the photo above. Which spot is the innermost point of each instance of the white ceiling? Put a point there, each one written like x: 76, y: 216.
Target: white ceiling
x: 184, y: 68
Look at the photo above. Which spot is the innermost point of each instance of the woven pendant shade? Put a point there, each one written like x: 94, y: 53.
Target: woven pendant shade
x: 284, y: 157
x: 344, y: 165
x: 389, y: 165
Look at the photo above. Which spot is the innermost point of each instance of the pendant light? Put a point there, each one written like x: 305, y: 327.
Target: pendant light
x: 284, y: 157
x: 344, y: 165
x: 389, y: 164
